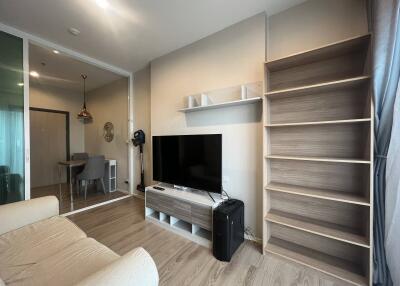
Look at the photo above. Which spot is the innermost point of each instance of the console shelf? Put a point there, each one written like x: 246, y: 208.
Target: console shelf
x: 186, y: 213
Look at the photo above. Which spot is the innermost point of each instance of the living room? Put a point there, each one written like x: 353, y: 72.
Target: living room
x: 272, y: 114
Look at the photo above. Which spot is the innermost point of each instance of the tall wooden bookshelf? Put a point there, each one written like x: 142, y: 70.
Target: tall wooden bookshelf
x: 318, y: 151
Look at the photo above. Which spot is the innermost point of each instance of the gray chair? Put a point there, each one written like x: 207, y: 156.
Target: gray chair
x: 4, y: 170
x: 80, y: 156
x: 93, y: 171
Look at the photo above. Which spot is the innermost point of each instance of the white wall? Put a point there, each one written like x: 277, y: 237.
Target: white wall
x: 58, y: 99
x: 142, y: 121
x: 109, y: 103
x: 227, y: 58
x: 233, y: 56
x: 313, y: 24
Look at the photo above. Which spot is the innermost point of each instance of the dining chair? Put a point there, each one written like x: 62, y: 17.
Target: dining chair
x: 80, y: 156
x: 77, y: 170
x: 93, y: 171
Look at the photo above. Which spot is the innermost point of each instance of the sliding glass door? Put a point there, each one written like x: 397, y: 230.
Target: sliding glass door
x: 12, y: 149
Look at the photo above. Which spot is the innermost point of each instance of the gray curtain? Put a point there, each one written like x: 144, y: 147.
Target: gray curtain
x: 384, y: 17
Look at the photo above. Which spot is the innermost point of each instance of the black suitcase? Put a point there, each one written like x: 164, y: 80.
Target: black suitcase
x: 228, y: 229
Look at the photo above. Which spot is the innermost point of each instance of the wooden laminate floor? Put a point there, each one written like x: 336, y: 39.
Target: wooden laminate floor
x: 122, y: 227
x: 93, y: 197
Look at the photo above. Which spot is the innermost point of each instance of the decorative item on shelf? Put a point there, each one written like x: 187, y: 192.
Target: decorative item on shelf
x: 192, y: 101
x: 108, y: 133
x: 204, y: 99
x: 243, y: 91
x: 84, y: 115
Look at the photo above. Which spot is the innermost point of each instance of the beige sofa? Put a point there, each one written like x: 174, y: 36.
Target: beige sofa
x: 38, y: 247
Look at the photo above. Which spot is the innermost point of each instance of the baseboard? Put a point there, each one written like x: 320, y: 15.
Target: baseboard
x: 254, y: 239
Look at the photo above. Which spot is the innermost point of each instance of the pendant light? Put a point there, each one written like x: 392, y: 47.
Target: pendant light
x: 84, y: 114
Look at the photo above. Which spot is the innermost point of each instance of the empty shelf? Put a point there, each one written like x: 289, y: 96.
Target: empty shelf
x: 320, y: 53
x: 318, y: 193
x: 329, y: 230
x: 183, y: 225
x: 329, y: 122
x: 331, y: 265
x: 319, y: 159
x: 319, y: 88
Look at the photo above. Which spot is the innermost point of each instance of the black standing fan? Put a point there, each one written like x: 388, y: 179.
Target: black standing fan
x: 138, y: 140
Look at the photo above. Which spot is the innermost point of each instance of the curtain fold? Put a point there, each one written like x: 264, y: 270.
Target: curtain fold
x: 392, y: 217
x: 386, y: 71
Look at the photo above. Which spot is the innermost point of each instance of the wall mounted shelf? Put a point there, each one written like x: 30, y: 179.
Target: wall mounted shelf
x: 224, y: 104
x: 243, y: 94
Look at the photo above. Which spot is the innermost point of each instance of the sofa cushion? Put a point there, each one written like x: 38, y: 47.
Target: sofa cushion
x: 25, y: 247
x: 67, y: 266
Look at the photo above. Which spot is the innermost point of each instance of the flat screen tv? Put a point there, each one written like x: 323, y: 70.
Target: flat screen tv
x: 193, y: 161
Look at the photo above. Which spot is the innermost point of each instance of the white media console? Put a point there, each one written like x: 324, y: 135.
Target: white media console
x: 185, y: 212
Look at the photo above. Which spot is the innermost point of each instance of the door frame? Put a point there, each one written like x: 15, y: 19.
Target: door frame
x: 32, y: 39
x: 67, y: 129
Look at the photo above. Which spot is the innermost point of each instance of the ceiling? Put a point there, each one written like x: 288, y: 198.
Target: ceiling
x: 131, y: 33
x: 63, y: 71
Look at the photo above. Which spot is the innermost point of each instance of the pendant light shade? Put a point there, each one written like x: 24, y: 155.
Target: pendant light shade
x: 84, y: 114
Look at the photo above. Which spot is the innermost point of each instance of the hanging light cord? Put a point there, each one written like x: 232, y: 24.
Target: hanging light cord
x: 84, y: 90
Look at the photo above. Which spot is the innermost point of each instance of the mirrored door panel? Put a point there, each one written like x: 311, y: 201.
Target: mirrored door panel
x: 12, y: 152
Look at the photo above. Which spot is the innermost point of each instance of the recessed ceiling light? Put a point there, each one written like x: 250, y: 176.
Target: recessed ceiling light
x: 34, y: 73
x: 56, y: 52
x: 74, y: 31
x: 20, y: 84
x: 102, y: 3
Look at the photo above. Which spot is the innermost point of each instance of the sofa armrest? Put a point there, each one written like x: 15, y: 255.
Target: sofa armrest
x: 19, y: 214
x: 133, y: 269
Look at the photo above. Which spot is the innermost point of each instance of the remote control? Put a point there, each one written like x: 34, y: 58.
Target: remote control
x: 158, y: 188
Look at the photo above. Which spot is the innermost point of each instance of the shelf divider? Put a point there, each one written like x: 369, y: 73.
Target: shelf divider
x: 343, y: 197
x: 318, y: 227
x: 334, y: 266
x: 329, y: 122
x: 319, y: 159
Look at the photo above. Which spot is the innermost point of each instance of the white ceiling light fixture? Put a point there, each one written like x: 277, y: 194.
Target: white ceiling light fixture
x: 34, y: 74
x: 102, y: 4
x: 74, y: 31
x: 56, y: 52
x: 20, y: 84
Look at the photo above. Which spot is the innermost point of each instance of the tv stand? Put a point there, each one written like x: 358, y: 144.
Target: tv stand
x: 187, y: 213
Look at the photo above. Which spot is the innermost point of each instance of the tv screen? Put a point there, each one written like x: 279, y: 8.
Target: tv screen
x: 193, y: 161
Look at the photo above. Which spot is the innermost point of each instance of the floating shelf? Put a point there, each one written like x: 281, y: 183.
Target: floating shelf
x: 224, y: 104
x: 331, y: 265
x: 319, y: 159
x: 344, y: 197
x: 329, y: 122
x: 314, y: 226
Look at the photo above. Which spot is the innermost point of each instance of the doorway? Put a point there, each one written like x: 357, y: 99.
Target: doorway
x: 49, y: 131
